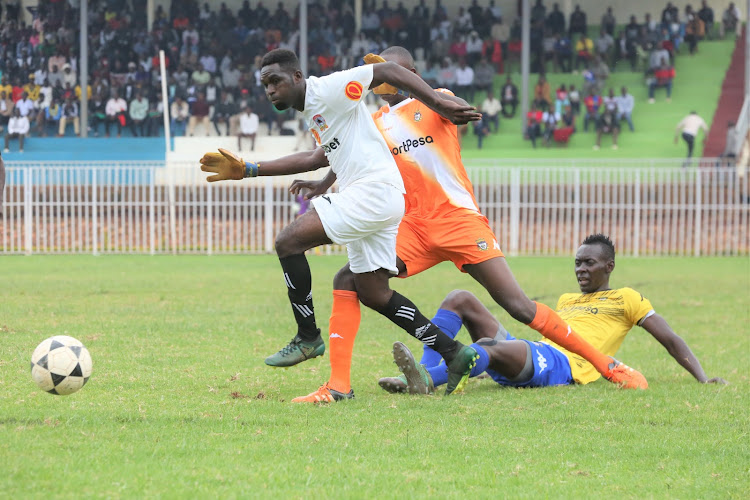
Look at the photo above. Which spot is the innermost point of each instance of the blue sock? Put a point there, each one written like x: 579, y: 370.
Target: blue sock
x: 450, y: 323
x: 439, y: 373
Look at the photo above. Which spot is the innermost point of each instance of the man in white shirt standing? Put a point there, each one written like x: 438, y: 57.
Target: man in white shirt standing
x: 690, y: 125
x: 625, y: 104
x: 249, y: 122
x: 490, y: 109
x: 18, y: 127
x: 363, y: 215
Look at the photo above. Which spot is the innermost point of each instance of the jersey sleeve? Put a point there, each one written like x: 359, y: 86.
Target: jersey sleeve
x: 344, y: 90
x: 637, y: 307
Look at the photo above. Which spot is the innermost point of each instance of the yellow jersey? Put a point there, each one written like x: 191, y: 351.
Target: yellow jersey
x: 603, y: 319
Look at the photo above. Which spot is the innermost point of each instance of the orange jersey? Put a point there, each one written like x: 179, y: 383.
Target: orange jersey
x: 426, y: 149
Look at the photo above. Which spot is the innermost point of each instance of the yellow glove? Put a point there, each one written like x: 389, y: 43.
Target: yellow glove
x: 384, y: 88
x: 227, y: 165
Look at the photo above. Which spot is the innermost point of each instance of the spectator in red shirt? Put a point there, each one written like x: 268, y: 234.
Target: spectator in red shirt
x: 199, y: 114
x: 534, y: 124
x: 662, y: 78
x: 592, y: 102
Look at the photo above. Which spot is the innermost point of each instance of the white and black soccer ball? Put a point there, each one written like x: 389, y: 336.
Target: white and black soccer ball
x: 61, y: 365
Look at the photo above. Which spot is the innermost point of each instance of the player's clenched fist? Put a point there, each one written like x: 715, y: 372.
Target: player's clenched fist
x: 227, y: 166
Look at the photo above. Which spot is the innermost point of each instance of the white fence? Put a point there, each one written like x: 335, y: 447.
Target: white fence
x: 147, y: 208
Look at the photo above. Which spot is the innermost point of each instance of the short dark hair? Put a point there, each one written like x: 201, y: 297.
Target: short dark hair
x: 400, y: 52
x: 286, y: 59
x: 603, y: 241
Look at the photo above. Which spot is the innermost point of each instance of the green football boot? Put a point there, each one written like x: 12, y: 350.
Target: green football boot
x: 460, y: 368
x: 418, y: 381
x: 297, y: 351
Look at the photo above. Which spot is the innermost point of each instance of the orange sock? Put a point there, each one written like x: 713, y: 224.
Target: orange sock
x: 551, y: 325
x: 342, y: 329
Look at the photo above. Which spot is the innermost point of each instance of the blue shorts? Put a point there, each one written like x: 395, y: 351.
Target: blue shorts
x: 551, y: 367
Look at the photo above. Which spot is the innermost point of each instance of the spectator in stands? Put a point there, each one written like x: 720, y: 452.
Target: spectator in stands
x: 490, y: 109
x: 731, y: 145
x: 694, y: 29
x: 663, y: 77
x: 465, y: 81
x: 509, y: 98
x: 97, y: 113
x: 542, y: 97
x: 657, y: 56
x: 561, y: 99
x: 690, y: 126
x: 199, y: 114
x: 625, y: 50
x: 68, y: 76
x: 730, y: 20
x: 212, y: 91
x: 607, y: 124
x: 592, y: 102
x: 609, y: 22
x: 6, y: 108
x: 706, y: 14
x: 32, y: 89
x: 51, y: 114
x: 603, y: 44
x: 155, y: 116
x: 577, y: 22
x: 584, y: 50
x: 481, y: 130
x: 18, y: 128
x: 138, y: 112
x: 249, y: 123
x: 549, y: 119
x: 625, y: 105
x: 115, y: 110
x: 69, y: 115
x: 534, y: 124
x: 563, y: 53
x: 556, y: 20
x: 26, y: 106
x: 180, y: 113
x: 223, y: 111
x: 568, y: 120
x: 575, y: 99
x: 473, y: 48
x: 446, y: 77
x: 200, y: 76
x: 600, y: 71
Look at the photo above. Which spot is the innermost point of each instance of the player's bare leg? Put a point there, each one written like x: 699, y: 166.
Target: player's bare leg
x: 497, y: 278
x: 302, y: 234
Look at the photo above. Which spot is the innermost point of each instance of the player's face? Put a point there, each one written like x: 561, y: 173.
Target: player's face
x: 281, y: 86
x: 592, y: 268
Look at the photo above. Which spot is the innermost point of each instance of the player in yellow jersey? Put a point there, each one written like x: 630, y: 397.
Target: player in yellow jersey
x: 602, y: 315
x: 442, y: 222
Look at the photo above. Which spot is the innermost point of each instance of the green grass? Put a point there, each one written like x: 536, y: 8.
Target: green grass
x: 181, y: 405
x: 696, y: 87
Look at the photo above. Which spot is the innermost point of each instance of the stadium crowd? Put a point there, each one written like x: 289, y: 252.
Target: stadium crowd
x: 213, y: 55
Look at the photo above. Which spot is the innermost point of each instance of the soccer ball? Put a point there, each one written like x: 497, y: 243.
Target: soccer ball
x: 61, y: 365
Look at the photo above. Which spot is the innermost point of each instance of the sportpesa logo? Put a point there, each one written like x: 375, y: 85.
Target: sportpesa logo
x: 353, y: 90
x: 412, y: 143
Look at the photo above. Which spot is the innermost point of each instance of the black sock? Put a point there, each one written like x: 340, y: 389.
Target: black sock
x: 299, y: 284
x: 405, y: 314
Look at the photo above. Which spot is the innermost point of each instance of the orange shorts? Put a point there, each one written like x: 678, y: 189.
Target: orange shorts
x: 461, y: 237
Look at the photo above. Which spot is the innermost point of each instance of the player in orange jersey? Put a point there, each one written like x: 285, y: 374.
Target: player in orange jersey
x: 602, y: 315
x: 442, y: 222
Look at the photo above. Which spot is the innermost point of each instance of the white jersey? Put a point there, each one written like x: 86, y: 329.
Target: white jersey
x: 337, y: 117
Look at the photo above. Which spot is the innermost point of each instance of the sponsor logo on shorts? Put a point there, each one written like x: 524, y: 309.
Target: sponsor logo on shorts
x: 353, y: 90
x: 411, y: 144
x: 482, y: 244
x: 320, y: 122
x: 331, y: 146
x: 541, y: 361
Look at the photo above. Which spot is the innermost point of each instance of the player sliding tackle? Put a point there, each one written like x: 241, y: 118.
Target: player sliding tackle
x: 364, y: 215
x: 442, y: 223
x: 603, y: 315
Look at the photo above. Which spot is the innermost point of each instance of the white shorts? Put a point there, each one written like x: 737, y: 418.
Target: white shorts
x: 365, y: 218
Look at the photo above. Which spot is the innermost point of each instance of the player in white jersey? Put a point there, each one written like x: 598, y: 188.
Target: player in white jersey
x: 364, y: 215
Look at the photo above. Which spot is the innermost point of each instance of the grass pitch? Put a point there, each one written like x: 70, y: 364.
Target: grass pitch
x: 181, y: 405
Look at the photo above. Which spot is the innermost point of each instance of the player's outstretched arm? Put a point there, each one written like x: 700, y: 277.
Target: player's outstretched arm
x: 313, y: 188
x: 678, y: 348
x: 226, y: 165
x: 402, y: 78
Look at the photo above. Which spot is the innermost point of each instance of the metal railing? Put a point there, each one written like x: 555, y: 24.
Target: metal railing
x: 146, y: 208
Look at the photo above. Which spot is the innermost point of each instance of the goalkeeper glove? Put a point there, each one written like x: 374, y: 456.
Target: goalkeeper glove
x: 383, y: 88
x: 227, y: 165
